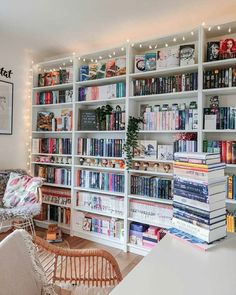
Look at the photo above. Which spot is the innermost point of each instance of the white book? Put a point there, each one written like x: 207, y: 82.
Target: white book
x: 210, y: 122
x: 208, y: 236
x: 35, y: 145
x: 193, y: 174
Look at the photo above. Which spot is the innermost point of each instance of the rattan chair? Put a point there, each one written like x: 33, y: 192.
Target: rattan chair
x: 90, y: 267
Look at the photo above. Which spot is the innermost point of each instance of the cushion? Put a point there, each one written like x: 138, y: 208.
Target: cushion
x: 21, y: 190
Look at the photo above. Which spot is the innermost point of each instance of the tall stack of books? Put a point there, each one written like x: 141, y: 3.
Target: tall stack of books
x: 199, y: 196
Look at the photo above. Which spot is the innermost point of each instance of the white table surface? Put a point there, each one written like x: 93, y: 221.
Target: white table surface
x: 174, y: 267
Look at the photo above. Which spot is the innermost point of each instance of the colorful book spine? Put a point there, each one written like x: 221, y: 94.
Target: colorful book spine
x: 52, y: 145
x: 219, y: 78
x: 226, y: 148
x: 54, y: 175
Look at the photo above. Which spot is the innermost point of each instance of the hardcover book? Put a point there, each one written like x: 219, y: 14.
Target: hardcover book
x: 84, y: 73
x: 101, y: 69
x: 92, y: 71
x: 146, y: 149
x: 213, y: 49
x: 165, y: 152
x: 44, y: 121
x: 139, y: 63
x: 120, y: 66
x: 187, y: 54
x: 111, y: 68
x: 150, y: 61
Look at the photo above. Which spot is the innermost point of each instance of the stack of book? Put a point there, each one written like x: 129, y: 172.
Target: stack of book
x: 199, y: 196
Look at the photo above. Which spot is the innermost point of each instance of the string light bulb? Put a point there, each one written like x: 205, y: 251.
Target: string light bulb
x: 218, y: 28
x: 166, y: 45
x: 127, y: 40
x: 84, y: 59
x: 183, y: 38
x: 73, y: 53
x: 209, y: 29
x: 100, y: 57
x: 174, y: 40
x: 114, y: 53
x: 150, y: 46
x: 79, y: 58
x: 132, y: 45
x: 192, y: 33
x: 156, y: 46
x: 140, y: 45
x: 229, y: 30
x: 203, y: 24
x: 122, y: 49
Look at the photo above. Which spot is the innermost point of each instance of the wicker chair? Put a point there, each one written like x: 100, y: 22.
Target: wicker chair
x: 19, y: 217
x: 89, y: 267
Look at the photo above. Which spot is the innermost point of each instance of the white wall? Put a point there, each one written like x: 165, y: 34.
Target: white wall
x: 13, y: 151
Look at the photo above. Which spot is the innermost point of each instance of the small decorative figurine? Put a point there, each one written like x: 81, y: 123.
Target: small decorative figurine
x: 81, y: 161
x: 166, y: 168
x: 145, y: 166
x: 156, y: 166
x: 136, y: 165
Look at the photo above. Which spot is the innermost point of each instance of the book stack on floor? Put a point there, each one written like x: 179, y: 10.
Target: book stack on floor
x: 199, y: 196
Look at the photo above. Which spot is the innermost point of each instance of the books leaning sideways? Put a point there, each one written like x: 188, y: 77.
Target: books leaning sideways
x: 199, y: 196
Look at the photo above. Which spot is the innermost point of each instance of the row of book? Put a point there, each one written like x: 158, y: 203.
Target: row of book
x: 52, y: 146
x: 56, y: 77
x: 54, y: 175
x: 151, y: 212
x: 103, y: 147
x: 226, y: 148
x: 183, y: 145
x: 152, y: 187
x: 54, y: 214
x: 231, y: 187
x: 219, y: 78
x: 221, y: 49
x: 219, y: 118
x: 49, y: 121
x: 176, y: 83
x: 113, y: 121
x: 199, y: 196
x: 103, y: 69
x: 231, y: 222
x: 54, y: 97
x: 103, y: 181
x: 59, y: 196
x: 102, y: 92
x: 175, y: 117
x: 102, y: 203
x: 109, y: 227
x: 167, y: 57
x: 144, y: 235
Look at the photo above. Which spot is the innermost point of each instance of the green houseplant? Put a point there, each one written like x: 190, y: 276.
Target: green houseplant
x: 102, y: 112
x: 132, y: 139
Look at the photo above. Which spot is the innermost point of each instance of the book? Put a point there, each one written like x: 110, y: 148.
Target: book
x: 101, y: 69
x: 172, y: 59
x: 162, y: 56
x: 88, y: 119
x: 92, y: 71
x: 150, y: 61
x: 146, y: 149
x: 187, y: 54
x: 139, y: 63
x: 120, y: 66
x: 84, y: 73
x: 110, y: 68
x: 213, y: 49
x: 44, y: 121
x: 165, y: 152
x: 210, y: 122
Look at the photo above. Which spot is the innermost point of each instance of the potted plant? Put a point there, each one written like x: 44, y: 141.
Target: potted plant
x: 102, y: 113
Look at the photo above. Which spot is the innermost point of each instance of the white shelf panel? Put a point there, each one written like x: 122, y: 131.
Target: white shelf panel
x: 53, y: 87
x: 164, y: 96
x: 220, y: 131
x: 219, y: 91
x: 230, y: 201
x: 164, y: 71
x: 219, y: 63
x: 99, y: 191
x: 51, y: 132
x: 102, y: 81
x: 57, y: 185
x: 230, y: 165
x: 98, y: 212
x: 101, y: 101
x: 158, y: 224
x: 45, y: 223
x: 133, y: 171
x: 153, y: 160
x: 99, y: 157
x: 51, y: 164
x: 99, y: 238
x: 54, y: 105
x: 100, y: 131
x: 99, y: 168
x: 56, y: 204
x: 154, y: 200
x: 56, y: 155
x: 168, y: 131
x: 139, y: 250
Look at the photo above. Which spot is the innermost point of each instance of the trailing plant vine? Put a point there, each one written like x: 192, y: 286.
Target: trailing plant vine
x: 132, y: 139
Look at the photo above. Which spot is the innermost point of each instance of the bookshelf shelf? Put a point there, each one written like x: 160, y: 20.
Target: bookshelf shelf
x: 132, y: 105
x: 100, y: 101
x: 163, y: 174
x: 99, y: 212
x: 99, y: 168
x: 154, y: 200
x: 164, y: 71
x: 51, y: 164
x: 230, y: 201
x: 103, y: 81
x: 149, y: 222
x: 54, y: 105
x: 140, y: 250
x: 165, y: 96
x: 99, y: 191
x: 45, y: 223
x: 57, y: 185
x: 56, y: 204
x: 54, y: 87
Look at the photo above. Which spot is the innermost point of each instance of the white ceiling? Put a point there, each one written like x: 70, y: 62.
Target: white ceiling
x: 55, y: 27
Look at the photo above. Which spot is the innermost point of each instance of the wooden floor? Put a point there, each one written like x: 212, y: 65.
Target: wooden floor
x: 126, y: 261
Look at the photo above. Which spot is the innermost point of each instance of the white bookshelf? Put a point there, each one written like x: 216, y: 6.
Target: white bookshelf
x: 199, y: 36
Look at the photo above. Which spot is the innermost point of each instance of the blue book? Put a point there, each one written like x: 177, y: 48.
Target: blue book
x: 84, y: 73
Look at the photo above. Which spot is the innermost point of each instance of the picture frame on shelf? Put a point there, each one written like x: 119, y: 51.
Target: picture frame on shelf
x: 6, y: 107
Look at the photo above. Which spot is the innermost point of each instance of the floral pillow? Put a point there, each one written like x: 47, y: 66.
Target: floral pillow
x: 21, y: 190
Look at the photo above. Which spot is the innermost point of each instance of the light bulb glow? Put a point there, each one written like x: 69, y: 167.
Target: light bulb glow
x: 183, y: 38
x: 174, y: 40
x: 192, y: 33
x: 218, y: 27
x: 229, y: 30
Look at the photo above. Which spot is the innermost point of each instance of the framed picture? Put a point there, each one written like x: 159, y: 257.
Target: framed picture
x: 6, y: 107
